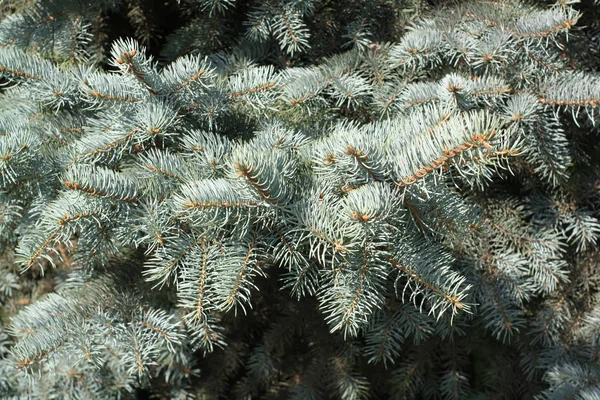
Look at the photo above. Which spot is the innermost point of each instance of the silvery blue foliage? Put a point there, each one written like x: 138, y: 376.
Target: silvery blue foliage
x: 358, y: 209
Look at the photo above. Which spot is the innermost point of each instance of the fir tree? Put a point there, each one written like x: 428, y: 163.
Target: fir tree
x: 299, y: 199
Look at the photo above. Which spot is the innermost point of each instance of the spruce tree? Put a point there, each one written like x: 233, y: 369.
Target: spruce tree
x: 299, y: 199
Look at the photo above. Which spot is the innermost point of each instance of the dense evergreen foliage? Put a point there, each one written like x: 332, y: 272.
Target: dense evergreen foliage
x: 299, y: 199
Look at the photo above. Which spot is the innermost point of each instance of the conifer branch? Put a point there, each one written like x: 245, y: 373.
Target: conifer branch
x: 99, y: 95
x: 201, y: 286
x: 127, y: 58
x: 453, y: 300
x: 97, y: 192
x: 231, y: 298
x: 19, y: 74
x: 252, y: 90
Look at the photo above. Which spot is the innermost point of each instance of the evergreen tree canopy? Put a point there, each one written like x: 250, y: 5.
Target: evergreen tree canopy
x: 299, y: 199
